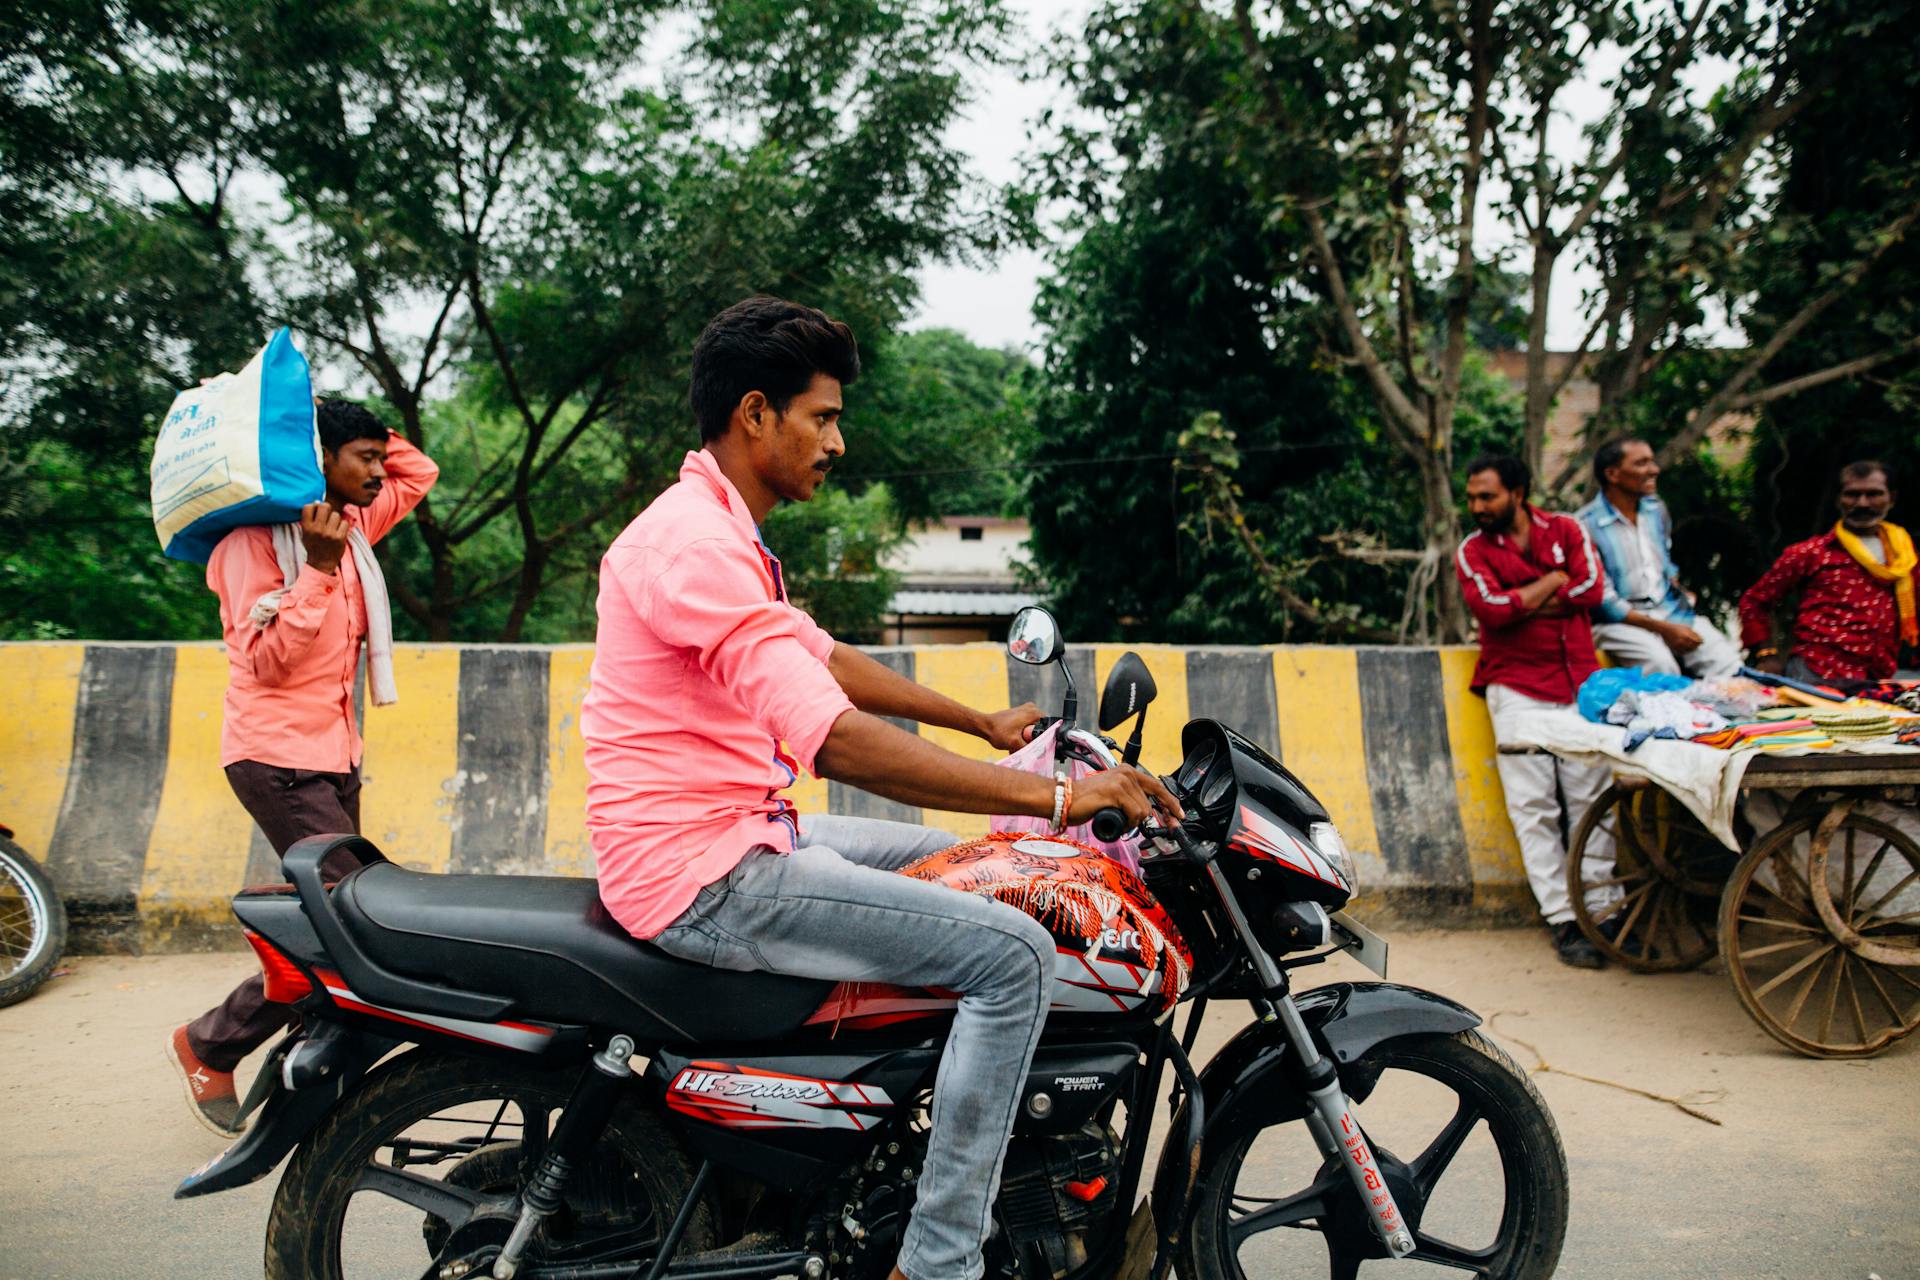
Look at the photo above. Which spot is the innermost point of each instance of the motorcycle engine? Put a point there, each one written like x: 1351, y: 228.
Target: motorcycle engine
x: 1053, y: 1192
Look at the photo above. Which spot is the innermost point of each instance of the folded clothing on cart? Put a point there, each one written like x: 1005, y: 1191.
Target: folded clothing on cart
x: 1736, y: 713
x: 1705, y: 780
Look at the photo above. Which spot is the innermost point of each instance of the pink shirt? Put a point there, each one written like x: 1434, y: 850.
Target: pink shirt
x: 701, y: 671
x: 290, y: 684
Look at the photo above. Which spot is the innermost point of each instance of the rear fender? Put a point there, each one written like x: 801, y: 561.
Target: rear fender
x: 275, y: 914
x: 1249, y: 1085
x: 311, y: 1073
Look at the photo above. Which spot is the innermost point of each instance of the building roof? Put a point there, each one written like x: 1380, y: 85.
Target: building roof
x: 970, y: 604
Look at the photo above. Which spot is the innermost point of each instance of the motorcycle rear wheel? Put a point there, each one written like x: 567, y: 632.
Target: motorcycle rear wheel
x: 1241, y: 1231
x: 428, y: 1154
x: 33, y: 924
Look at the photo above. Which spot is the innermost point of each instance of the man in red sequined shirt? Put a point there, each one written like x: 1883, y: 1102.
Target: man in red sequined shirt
x: 1531, y: 578
x: 1849, y: 626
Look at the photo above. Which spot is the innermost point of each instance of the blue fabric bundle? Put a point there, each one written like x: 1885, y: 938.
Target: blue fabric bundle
x: 1604, y: 687
x: 240, y: 449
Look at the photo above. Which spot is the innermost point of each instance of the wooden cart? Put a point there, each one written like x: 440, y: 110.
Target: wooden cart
x: 1815, y: 918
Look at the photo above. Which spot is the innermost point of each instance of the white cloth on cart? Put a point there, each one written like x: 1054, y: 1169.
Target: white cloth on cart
x: 1704, y: 779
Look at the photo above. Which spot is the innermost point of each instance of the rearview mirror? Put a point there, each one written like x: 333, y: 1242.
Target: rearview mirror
x: 1034, y: 637
x: 1129, y: 689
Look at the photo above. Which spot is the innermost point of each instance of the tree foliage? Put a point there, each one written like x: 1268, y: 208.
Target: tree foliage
x: 833, y: 554
x: 941, y: 421
x: 504, y: 222
x: 1372, y: 171
x: 1848, y: 152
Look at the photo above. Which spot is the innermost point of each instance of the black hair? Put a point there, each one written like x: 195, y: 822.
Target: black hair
x: 1513, y: 473
x: 1865, y: 467
x: 341, y: 422
x: 1608, y: 456
x: 767, y: 345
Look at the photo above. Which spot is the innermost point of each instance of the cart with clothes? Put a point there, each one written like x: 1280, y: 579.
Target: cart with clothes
x: 1766, y: 819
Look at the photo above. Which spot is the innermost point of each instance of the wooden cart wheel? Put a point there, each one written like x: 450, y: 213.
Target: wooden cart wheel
x: 1821, y: 936
x: 1648, y: 908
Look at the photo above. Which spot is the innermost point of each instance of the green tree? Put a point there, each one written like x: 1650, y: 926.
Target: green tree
x: 942, y: 420
x: 1847, y: 150
x: 1389, y: 157
x: 833, y: 554
x: 505, y: 219
x: 1174, y: 298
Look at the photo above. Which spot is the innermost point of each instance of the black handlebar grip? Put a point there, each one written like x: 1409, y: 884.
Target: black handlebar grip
x: 1109, y: 825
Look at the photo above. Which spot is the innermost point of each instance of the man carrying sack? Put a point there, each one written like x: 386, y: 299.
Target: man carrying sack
x: 1856, y: 585
x: 296, y: 600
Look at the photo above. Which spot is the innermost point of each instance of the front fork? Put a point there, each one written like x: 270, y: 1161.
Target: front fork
x: 1331, y: 1121
x: 1339, y: 1135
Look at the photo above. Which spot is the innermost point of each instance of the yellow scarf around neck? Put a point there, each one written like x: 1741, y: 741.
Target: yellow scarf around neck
x: 1898, y: 570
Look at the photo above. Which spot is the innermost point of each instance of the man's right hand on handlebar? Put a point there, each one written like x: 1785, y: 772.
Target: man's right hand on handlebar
x: 1133, y: 791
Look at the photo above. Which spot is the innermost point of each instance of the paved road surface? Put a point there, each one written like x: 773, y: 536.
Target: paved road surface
x: 1813, y: 1175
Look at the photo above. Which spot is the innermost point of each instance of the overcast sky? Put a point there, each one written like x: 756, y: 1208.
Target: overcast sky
x: 993, y: 305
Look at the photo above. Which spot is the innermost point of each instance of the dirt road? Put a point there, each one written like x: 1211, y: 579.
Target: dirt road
x: 1813, y: 1174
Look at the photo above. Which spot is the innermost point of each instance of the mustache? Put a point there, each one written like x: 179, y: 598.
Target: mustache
x: 823, y: 467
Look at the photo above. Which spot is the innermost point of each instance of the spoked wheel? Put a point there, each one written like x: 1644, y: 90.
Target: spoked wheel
x: 33, y: 924
x: 421, y: 1171
x: 1649, y: 906
x: 1464, y: 1141
x: 1820, y: 927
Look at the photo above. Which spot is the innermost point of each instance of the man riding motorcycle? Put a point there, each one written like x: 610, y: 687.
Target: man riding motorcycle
x: 710, y: 690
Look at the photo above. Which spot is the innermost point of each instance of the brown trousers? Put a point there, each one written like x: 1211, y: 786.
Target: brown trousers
x: 289, y: 805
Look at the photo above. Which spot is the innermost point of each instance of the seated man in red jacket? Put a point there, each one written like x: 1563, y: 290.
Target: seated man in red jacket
x: 1532, y: 579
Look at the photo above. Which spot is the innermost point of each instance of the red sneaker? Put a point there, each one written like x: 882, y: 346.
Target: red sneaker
x: 209, y: 1092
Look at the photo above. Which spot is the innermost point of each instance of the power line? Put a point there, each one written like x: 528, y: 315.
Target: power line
x: 1094, y: 462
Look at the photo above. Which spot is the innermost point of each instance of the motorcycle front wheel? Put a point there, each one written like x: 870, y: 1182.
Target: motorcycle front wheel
x: 33, y: 924
x: 420, y: 1167
x: 1465, y: 1142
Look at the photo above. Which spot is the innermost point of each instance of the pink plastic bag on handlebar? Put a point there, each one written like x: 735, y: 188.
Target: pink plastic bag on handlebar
x: 1037, y: 757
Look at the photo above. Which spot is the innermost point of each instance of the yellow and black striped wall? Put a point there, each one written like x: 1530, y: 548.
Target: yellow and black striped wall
x: 109, y: 767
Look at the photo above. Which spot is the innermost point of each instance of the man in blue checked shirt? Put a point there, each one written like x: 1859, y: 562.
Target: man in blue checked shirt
x: 1645, y: 619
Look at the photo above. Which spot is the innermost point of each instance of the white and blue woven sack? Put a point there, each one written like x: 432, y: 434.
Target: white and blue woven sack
x: 241, y: 449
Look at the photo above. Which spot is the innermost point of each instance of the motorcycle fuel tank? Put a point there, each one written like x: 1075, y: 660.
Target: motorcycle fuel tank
x: 1116, y: 950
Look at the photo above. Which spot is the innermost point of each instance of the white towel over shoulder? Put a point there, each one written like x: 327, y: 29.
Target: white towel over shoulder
x: 292, y: 553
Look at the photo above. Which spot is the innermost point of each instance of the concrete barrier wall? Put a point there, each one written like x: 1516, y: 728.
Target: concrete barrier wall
x: 109, y: 767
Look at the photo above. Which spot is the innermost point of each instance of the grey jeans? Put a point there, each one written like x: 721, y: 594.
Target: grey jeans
x: 836, y: 909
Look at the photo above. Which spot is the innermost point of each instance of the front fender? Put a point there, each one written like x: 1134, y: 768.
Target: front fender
x: 1347, y: 1020
x: 1247, y: 1084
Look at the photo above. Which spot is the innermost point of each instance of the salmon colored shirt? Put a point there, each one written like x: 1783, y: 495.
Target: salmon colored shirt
x: 290, y: 684
x: 701, y: 671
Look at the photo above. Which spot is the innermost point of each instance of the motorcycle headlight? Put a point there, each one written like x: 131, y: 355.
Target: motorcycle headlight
x: 1328, y: 844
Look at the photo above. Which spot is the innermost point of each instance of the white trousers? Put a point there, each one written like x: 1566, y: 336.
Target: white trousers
x: 1632, y: 646
x: 1535, y: 786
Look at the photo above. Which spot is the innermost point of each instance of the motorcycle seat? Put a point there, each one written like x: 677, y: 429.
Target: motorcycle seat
x: 547, y: 944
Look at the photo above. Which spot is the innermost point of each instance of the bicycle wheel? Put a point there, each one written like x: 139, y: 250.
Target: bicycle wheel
x: 33, y: 924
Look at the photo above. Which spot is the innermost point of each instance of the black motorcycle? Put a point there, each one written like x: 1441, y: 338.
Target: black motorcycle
x: 489, y: 1077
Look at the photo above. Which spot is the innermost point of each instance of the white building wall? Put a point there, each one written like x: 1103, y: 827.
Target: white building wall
x: 940, y: 550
